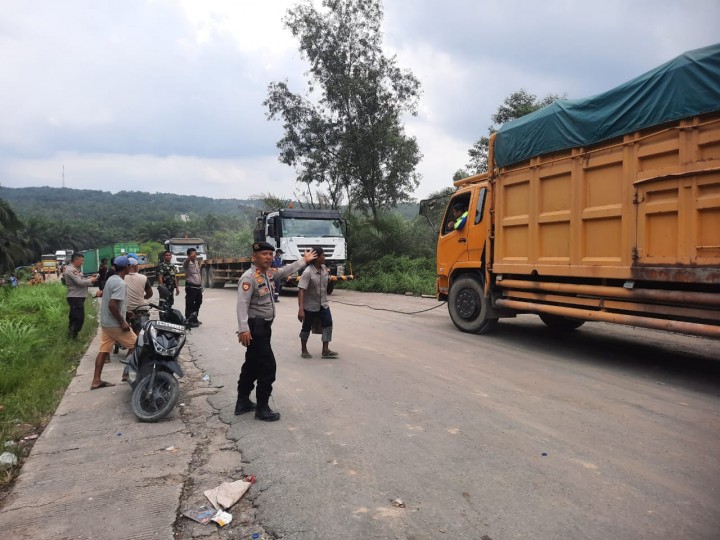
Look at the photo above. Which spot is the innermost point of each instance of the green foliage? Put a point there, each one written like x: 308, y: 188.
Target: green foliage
x: 389, y: 233
x: 55, y: 219
x: 398, y: 275
x: 37, y: 360
x: 231, y: 243
x: 152, y: 250
x: 12, y: 246
x: 346, y: 134
x: 516, y: 105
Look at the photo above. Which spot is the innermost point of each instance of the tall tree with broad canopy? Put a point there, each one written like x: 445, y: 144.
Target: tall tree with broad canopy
x: 517, y: 104
x: 345, y: 134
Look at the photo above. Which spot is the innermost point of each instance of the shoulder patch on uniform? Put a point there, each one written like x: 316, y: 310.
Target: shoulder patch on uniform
x: 245, y: 286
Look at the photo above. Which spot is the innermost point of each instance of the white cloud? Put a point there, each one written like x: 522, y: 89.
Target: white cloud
x: 168, y: 93
x: 225, y: 178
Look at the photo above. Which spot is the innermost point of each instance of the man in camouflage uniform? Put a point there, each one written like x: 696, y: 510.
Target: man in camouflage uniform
x: 166, y: 276
x: 255, y: 313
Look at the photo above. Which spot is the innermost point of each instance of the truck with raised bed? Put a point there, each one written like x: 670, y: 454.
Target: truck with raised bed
x: 599, y: 209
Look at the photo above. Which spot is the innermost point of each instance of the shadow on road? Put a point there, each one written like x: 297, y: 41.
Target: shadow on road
x: 685, y: 361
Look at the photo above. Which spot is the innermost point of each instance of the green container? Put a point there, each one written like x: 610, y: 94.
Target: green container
x: 90, y: 261
x: 93, y: 257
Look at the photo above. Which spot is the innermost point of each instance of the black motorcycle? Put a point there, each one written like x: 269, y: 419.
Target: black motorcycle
x: 153, y: 365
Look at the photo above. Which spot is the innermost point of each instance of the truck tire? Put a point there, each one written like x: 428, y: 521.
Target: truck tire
x: 561, y: 324
x: 331, y: 287
x: 211, y: 281
x: 468, y: 306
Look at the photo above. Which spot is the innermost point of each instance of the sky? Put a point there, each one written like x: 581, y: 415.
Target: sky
x: 166, y: 95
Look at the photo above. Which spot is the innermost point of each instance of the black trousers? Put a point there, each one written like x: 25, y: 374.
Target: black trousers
x: 193, y: 300
x: 76, y: 319
x: 259, y: 363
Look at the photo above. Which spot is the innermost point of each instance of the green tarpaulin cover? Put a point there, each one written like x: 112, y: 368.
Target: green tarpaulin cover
x: 683, y: 87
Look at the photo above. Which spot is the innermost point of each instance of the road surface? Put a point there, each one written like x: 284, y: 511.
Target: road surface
x: 607, y: 432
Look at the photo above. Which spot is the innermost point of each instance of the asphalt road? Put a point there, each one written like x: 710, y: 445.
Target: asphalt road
x: 607, y: 432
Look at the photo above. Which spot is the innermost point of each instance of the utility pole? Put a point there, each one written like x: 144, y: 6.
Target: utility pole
x: 63, y: 177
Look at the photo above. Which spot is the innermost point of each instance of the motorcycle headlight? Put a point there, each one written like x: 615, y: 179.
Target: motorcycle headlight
x: 168, y: 343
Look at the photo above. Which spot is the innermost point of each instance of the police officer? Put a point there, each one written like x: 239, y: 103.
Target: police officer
x: 255, y: 313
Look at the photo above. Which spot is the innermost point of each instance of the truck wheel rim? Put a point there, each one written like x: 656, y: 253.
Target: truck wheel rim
x: 467, y: 304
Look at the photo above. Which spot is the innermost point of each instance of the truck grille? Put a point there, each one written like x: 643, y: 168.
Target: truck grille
x: 329, y: 249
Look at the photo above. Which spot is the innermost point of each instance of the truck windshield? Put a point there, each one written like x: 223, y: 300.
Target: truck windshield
x: 311, y: 227
x: 181, y: 249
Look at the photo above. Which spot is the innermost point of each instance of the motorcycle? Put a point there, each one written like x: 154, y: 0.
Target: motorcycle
x: 153, y: 365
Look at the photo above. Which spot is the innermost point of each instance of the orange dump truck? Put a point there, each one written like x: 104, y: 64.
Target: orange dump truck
x: 602, y: 209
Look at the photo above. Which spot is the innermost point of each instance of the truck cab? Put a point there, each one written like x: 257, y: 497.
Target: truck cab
x: 462, y: 242
x: 62, y: 256
x: 296, y: 230
x: 179, y: 246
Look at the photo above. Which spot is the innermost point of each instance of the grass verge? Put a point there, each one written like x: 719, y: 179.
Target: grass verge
x: 37, y: 362
x: 395, y: 275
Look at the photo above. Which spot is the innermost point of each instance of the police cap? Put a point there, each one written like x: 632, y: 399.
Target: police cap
x: 262, y: 246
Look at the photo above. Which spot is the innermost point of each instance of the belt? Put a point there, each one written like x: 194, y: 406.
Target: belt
x: 193, y: 286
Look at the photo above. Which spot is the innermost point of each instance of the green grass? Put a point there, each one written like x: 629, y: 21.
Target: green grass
x: 395, y: 274
x: 37, y: 360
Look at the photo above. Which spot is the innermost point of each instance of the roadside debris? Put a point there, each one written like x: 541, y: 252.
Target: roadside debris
x: 7, y: 460
x: 222, y: 498
x: 397, y: 503
x: 202, y: 514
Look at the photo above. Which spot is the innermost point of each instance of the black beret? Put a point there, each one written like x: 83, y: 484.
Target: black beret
x: 262, y: 246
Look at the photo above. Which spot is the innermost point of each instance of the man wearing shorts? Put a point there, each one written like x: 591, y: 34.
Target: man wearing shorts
x: 113, y: 325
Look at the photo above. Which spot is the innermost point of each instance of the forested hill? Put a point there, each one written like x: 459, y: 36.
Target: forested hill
x: 63, y: 204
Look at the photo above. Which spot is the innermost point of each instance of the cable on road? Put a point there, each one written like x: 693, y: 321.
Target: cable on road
x: 386, y: 309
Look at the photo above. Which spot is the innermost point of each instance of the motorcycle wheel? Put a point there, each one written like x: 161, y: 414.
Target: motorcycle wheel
x: 152, y: 404
x: 116, y: 348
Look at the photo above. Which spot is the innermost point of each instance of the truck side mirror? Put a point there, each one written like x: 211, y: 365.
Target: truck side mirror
x: 271, y: 227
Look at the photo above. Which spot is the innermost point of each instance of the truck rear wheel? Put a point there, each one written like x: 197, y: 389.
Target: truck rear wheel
x: 211, y: 281
x: 468, y: 306
x: 331, y: 287
x: 561, y: 324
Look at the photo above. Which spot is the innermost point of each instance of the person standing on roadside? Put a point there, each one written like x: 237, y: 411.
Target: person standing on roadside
x: 255, y: 314
x: 193, y: 288
x: 138, y: 291
x: 167, y: 276
x: 77, y: 291
x: 102, y: 273
x: 313, y: 304
x: 113, y: 326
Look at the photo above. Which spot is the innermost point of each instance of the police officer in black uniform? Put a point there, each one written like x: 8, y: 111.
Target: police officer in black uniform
x: 255, y: 313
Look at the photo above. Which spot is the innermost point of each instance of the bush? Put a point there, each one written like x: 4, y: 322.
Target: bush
x: 395, y: 274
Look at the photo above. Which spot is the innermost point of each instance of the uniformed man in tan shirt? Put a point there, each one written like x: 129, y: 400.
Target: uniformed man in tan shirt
x: 255, y: 314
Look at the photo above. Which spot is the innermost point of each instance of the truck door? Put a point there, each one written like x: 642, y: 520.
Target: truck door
x: 452, y: 244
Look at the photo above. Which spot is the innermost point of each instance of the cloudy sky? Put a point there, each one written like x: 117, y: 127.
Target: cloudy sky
x: 166, y: 95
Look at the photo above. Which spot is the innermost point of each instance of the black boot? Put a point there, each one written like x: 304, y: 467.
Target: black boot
x: 265, y: 413
x: 244, y: 405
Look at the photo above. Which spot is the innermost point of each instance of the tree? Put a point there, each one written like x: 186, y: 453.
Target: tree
x: 350, y: 139
x: 12, y: 248
x: 517, y: 104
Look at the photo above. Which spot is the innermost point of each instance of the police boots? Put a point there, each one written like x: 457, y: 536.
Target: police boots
x: 265, y: 413
x: 244, y: 405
